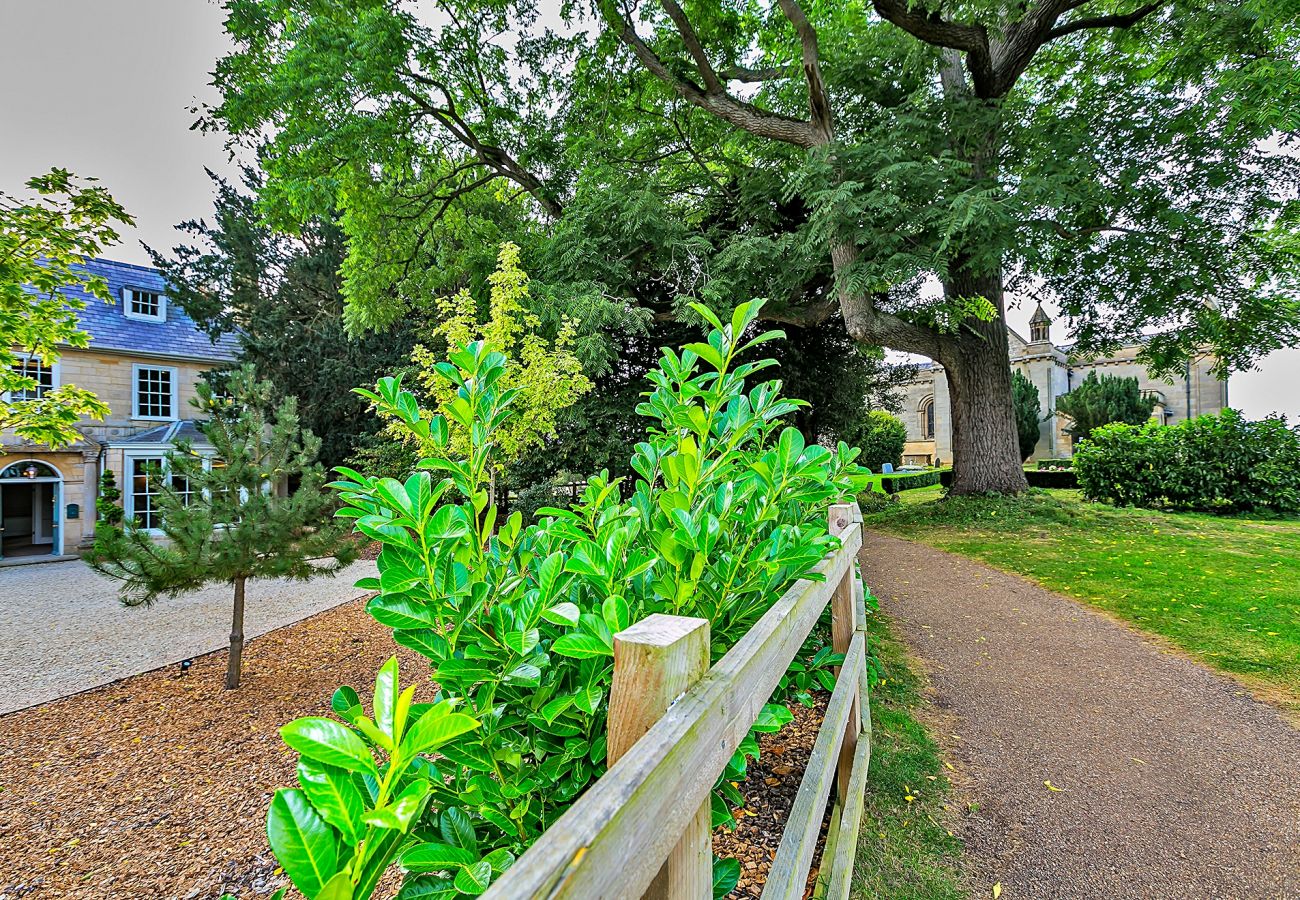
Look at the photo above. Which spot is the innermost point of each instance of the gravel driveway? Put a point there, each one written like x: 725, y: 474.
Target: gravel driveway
x: 1167, y: 780
x: 62, y: 629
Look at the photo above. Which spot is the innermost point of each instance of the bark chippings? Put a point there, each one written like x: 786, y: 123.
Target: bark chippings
x: 157, y: 785
x: 1166, y: 780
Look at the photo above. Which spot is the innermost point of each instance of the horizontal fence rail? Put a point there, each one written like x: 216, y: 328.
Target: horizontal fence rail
x: 643, y: 828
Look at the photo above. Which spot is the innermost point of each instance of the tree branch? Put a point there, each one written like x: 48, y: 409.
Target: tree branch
x: 693, y: 46
x: 1121, y: 20
x: 745, y: 116
x: 490, y: 155
x: 750, y: 75
x: 933, y: 29
x: 819, y: 101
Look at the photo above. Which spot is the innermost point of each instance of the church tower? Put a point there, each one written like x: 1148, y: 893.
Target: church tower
x: 1040, y: 326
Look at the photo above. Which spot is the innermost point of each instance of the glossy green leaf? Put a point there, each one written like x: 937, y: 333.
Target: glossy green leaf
x: 436, y: 857
x: 457, y: 830
x: 581, y: 646
x: 387, y: 690
x: 399, y: 814
x: 329, y: 742
x: 562, y: 614
x: 616, y: 612
x: 337, y: 888
x: 726, y: 875
x: 334, y: 795
x: 303, y: 844
x: 474, y: 878
x: 432, y: 731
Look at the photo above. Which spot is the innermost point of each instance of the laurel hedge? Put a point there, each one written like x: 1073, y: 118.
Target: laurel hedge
x: 1215, y: 463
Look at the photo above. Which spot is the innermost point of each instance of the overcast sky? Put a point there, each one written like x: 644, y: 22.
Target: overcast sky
x: 105, y: 87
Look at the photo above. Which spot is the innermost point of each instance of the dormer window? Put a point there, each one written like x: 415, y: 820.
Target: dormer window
x: 148, y: 306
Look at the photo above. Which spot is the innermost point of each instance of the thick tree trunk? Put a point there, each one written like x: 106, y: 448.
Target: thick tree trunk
x: 986, y: 445
x: 235, y: 663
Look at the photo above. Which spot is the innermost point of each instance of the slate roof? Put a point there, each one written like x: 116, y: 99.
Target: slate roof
x: 169, y: 432
x: 110, y: 329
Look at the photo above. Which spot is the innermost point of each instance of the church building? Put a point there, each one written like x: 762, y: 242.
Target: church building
x: 1054, y: 370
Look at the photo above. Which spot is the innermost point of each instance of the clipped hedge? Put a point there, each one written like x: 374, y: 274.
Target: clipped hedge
x: 1037, y: 478
x: 1215, y: 463
x: 906, y: 481
x: 1052, y: 478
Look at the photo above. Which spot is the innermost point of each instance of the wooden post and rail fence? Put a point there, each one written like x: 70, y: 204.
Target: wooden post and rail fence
x: 643, y: 829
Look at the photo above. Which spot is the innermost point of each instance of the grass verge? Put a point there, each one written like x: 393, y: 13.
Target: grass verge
x: 905, y: 848
x: 1222, y: 589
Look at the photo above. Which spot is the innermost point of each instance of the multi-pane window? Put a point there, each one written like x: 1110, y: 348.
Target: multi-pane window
x: 34, y: 369
x: 927, y: 420
x: 145, y: 472
x: 154, y: 392
x: 144, y: 304
x: 184, y: 492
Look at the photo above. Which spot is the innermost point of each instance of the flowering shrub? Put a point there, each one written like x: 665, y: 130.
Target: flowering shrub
x: 1222, y: 463
x: 728, y: 510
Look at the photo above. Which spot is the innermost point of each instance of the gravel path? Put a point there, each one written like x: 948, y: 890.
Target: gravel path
x: 62, y: 629
x: 1173, y: 782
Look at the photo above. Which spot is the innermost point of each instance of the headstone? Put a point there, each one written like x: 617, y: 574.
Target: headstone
x: 887, y: 469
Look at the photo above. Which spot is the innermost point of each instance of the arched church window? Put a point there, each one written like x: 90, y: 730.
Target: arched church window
x: 927, y: 418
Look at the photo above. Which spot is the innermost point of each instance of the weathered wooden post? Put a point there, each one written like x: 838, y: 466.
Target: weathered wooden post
x: 844, y: 622
x: 655, y: 662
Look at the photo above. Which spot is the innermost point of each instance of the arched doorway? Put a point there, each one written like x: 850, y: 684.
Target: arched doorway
x: 30, y: 495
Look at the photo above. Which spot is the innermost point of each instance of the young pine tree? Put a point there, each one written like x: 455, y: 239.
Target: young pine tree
x: 224, y: 517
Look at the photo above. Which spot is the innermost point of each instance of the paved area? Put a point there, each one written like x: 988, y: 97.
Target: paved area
x: 1170, y: 781
x: 62, y: 629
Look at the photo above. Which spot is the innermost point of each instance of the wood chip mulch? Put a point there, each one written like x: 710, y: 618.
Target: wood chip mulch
x: 770, y: 788
x: 157, y: 785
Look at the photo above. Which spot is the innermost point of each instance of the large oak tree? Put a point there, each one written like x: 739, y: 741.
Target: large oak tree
x: 906, y: 165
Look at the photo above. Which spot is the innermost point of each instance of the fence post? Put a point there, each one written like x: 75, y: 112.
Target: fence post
x: 844, y: 622
x: 655, y: 662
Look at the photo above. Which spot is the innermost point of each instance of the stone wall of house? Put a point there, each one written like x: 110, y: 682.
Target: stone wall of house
x: 1053, y: 374
x: 111, y: 377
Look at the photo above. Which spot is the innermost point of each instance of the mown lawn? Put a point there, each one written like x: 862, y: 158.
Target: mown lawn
x: 905, y: 848
x: 1226, y: 590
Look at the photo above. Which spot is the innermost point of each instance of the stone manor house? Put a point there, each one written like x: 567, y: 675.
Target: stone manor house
x: 144, y: 360
x: 1054, y: 371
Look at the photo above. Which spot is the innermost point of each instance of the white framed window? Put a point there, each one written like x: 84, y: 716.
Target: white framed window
x: 141, y: 499
x: 46, y: 378
x: 147, y: 471
x: 154, y: 393
x: 147, y: 306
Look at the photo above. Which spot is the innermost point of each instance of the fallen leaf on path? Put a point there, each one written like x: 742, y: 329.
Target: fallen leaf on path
x: 997, y: 890
x: 1052, y: 787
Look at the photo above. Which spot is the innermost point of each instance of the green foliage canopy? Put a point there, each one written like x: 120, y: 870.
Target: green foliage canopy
x: 1122, y: 160
x: 280, y: 293
x: 43, y: 243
